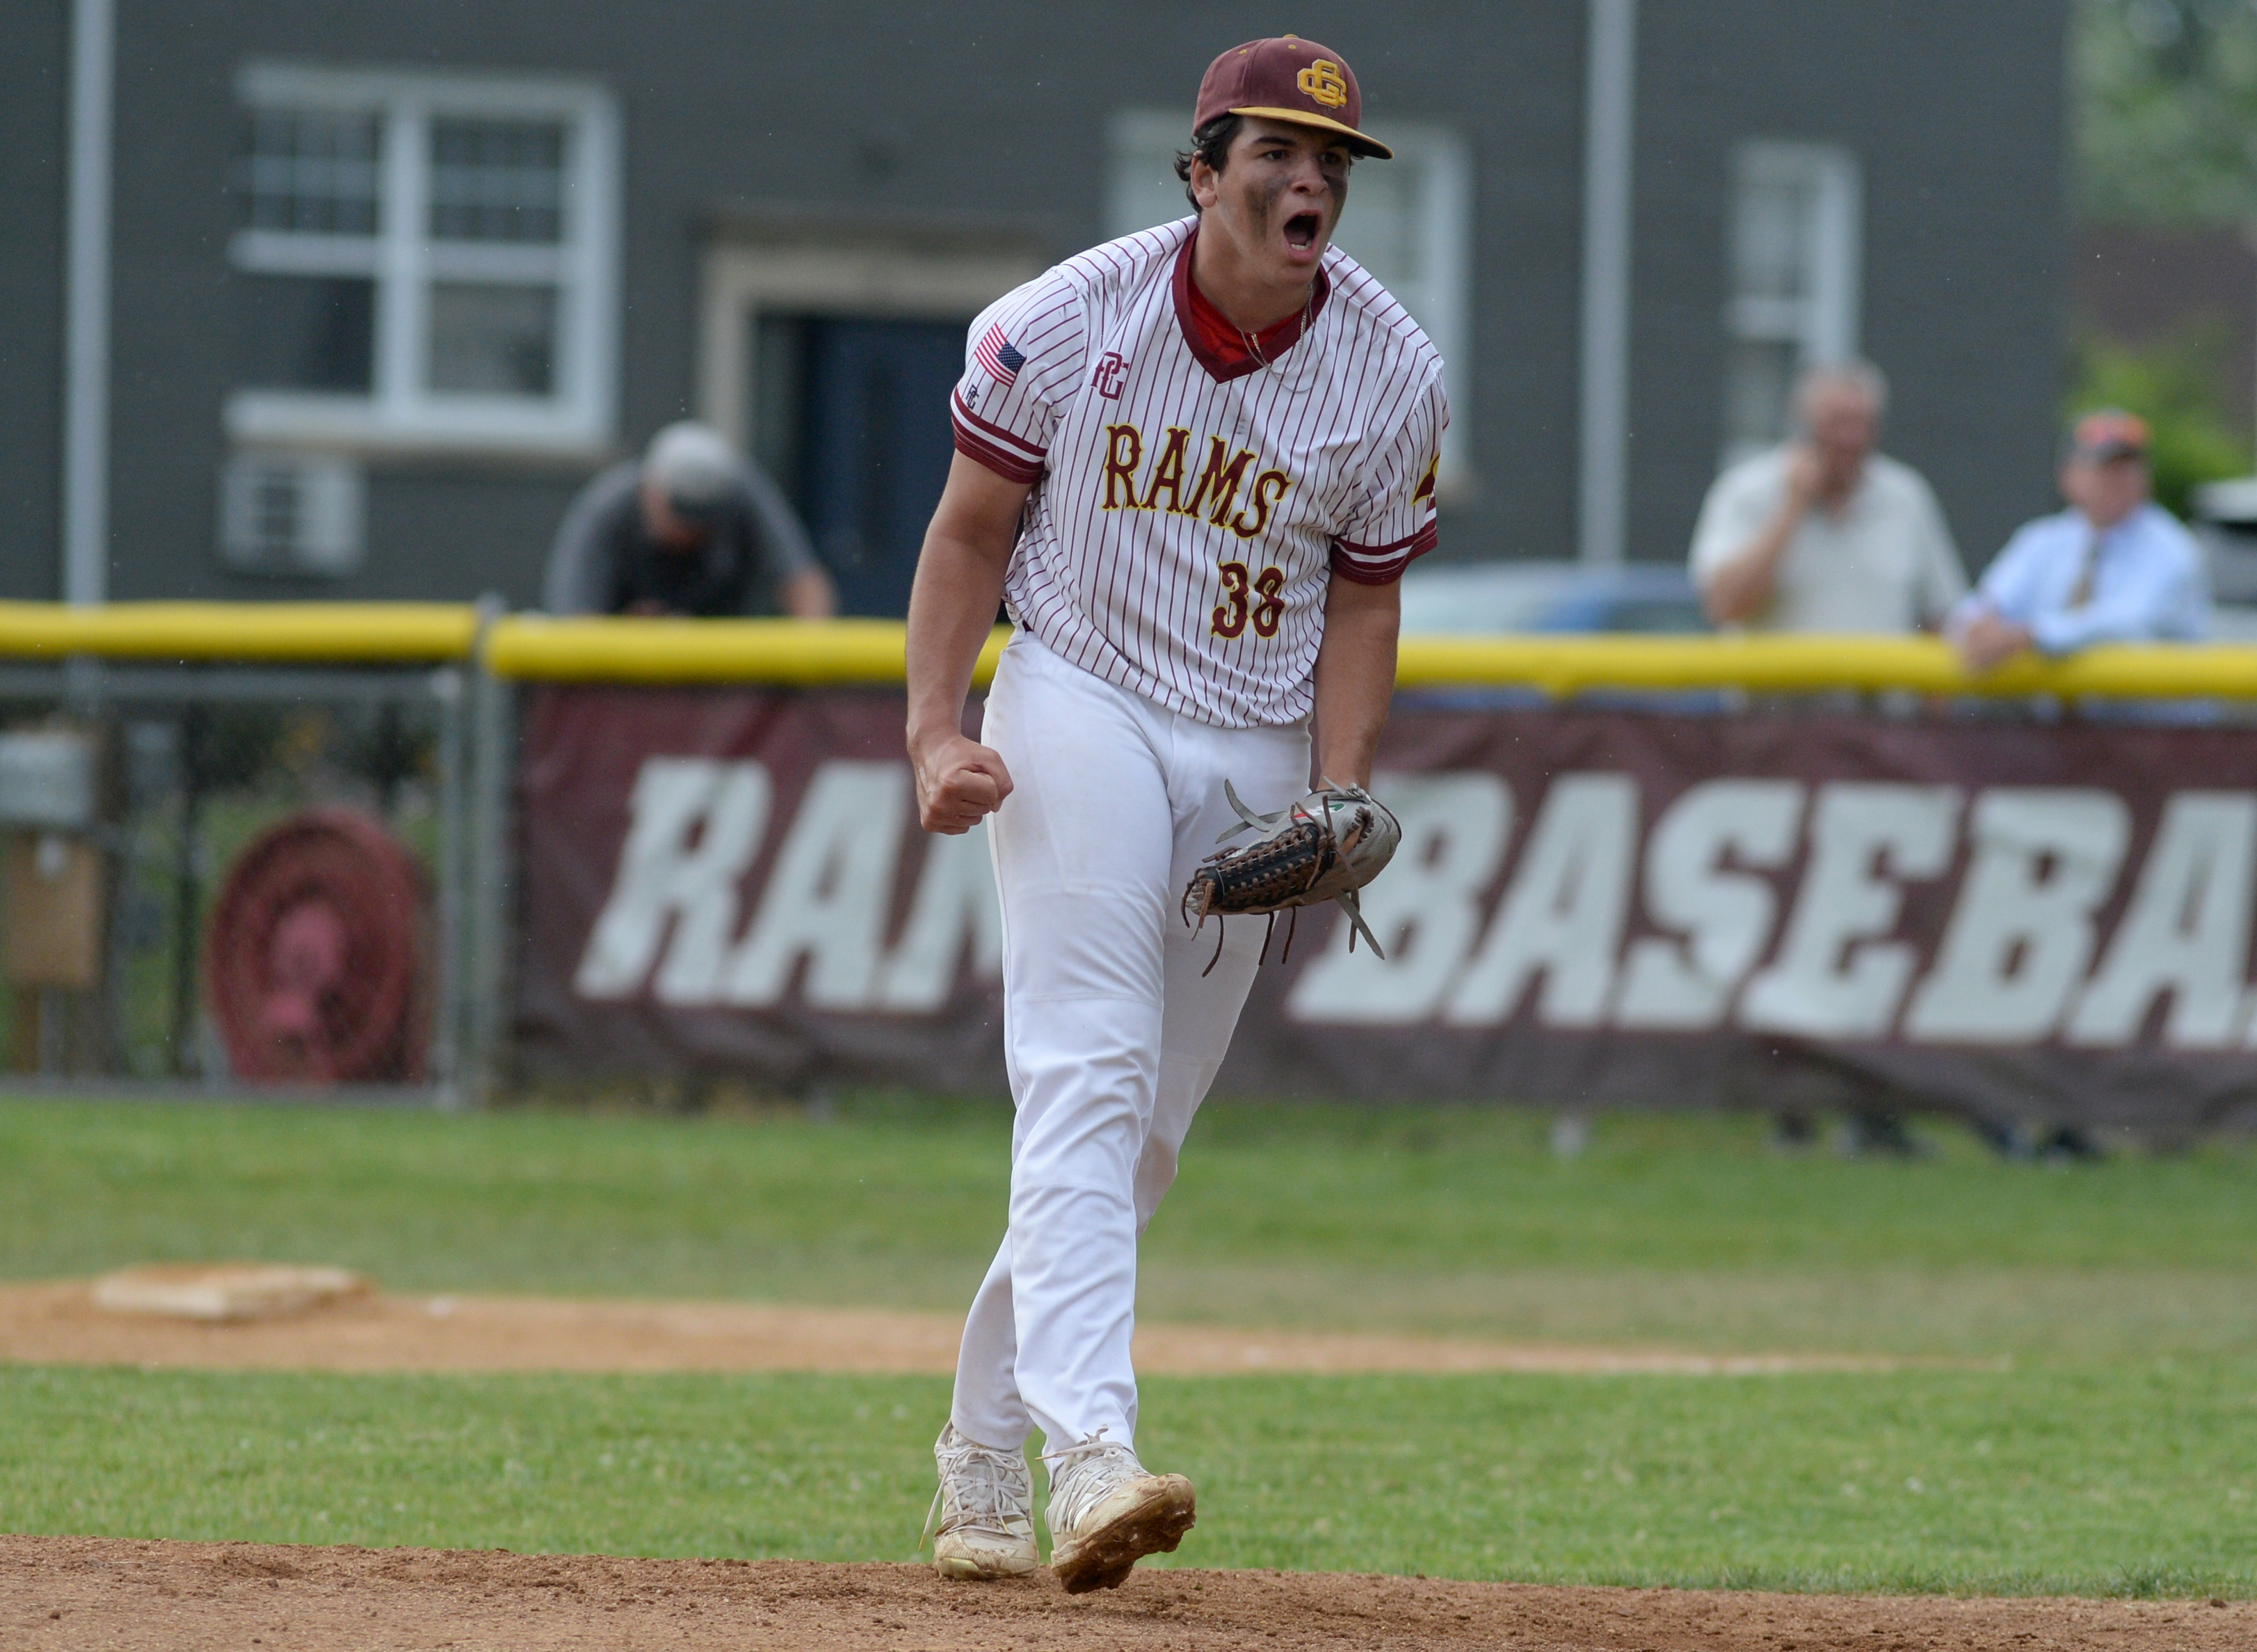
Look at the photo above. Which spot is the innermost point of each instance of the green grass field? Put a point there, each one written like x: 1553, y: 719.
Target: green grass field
x: 2082, y: 1412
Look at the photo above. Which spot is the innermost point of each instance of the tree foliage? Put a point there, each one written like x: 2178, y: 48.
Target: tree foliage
x: 2165, y: 95
x: 2172, y: 383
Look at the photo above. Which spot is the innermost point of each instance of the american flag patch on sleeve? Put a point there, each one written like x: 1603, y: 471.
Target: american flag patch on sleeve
x: 995, y: 354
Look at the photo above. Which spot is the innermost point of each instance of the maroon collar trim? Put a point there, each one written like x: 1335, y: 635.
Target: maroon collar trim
x: 1199, y: 320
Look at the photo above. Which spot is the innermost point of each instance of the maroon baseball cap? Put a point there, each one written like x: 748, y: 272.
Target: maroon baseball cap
x: 1288, y: 79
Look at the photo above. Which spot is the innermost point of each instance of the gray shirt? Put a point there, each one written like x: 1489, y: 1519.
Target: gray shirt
x: 603, y: 555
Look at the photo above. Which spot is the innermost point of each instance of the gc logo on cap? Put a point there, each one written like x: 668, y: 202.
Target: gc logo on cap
x: 1322, y: 81
x: 1291, y: 80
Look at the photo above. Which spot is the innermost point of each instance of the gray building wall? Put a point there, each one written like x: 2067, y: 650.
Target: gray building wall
x: 34, y: 81
x: 881, y: 107
x: 1956, y: 114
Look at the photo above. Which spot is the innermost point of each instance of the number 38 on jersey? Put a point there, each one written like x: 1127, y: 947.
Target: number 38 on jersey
x: 1255, y: 599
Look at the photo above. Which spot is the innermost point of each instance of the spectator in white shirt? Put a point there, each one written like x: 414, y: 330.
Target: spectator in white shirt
x: 1824, y: 534
x: 2115, y: 567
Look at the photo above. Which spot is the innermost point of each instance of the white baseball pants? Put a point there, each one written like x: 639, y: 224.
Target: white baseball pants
x: 1111, y: 1034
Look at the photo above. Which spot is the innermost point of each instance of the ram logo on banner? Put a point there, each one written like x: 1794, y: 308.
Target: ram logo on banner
x: 1586, y: 905
x: 677, y: 922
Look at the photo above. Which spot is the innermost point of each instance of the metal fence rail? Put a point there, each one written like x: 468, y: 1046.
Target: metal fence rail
x: 533, y: 646
x: 640, y: 650
x: 299, y: 633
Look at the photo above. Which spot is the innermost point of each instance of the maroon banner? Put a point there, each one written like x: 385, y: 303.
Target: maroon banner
x: 2020, y: 923
x: 729, y: 880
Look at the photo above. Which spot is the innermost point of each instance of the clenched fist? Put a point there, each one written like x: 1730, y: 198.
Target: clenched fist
x: 958, y: 781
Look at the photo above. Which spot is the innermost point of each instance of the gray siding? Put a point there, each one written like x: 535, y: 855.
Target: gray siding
x: 34, y: 81
x: 999, y: 109
x: 1955, y: 112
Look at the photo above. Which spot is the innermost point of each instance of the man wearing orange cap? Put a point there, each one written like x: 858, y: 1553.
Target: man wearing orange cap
x: 2115, y: 567
x: 1193, y: 462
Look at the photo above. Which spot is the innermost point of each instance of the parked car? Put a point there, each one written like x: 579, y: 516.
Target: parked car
x: 1549, y: 596
x: 1492, y: 597
x: 2225, y: 520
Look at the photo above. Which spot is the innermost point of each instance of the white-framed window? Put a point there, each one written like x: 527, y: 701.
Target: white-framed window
x: 1795, y: 250
x: 425, y: 261
x: 1409, y: 222
x: 292, y: 512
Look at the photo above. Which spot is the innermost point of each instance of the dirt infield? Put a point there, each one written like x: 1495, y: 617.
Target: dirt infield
x: 59, y: 1325
x: 66, y: 1593
x: 61, y: 1594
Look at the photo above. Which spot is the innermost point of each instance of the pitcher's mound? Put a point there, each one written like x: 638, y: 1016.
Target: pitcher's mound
x: 66, y: 1593
x: 216, y: 1291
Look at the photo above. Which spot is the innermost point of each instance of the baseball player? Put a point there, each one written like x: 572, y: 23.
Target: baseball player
x: 1193, y: 461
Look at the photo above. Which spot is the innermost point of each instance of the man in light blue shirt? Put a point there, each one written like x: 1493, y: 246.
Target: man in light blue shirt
x: 2115, y: 567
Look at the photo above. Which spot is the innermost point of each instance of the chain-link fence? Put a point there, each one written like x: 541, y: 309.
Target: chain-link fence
x: 216, y: 876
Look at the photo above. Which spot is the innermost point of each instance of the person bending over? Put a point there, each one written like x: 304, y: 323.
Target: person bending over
x: 689, y: 528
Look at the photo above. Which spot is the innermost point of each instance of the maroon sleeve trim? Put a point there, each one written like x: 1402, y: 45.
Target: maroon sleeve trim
x: 1008, y: 465
x: 964, y: 415
x: 1381, y: 565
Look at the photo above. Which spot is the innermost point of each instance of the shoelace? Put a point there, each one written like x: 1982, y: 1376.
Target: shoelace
x: 986, y: 1481
x: 1071, y: 1493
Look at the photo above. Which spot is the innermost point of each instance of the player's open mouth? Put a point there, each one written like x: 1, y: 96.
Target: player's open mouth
x: 1302, y: 229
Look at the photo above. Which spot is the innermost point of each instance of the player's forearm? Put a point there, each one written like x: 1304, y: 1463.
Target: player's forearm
x: 958, y: 586
x: 1355, y: 677
x: 952, y: 610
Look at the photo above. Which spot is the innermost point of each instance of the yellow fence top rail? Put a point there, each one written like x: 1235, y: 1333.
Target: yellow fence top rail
x: 534, y: 647
x: 1562, y: 665
x: 311, y: 633
x: 785, y: 651
x: 792, y: 652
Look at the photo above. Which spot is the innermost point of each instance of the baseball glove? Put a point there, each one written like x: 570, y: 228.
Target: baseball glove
x: 1325, y: 848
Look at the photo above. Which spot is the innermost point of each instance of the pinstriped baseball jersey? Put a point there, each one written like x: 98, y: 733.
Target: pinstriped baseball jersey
x: 1188, y: 510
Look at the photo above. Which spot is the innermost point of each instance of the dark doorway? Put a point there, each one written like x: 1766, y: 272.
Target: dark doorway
x: 854, y: 426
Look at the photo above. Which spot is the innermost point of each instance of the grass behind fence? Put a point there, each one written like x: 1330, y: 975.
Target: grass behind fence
x: 1674, y: 1230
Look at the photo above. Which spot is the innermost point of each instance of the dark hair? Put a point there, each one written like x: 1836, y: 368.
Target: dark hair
x: 1210, y: 142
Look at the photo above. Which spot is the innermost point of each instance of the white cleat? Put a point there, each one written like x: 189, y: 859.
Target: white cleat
x: 985, y: 1511
x: 1107, y: 1513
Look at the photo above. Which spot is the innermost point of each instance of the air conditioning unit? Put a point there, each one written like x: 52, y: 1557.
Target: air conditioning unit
x: 291, y: 514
